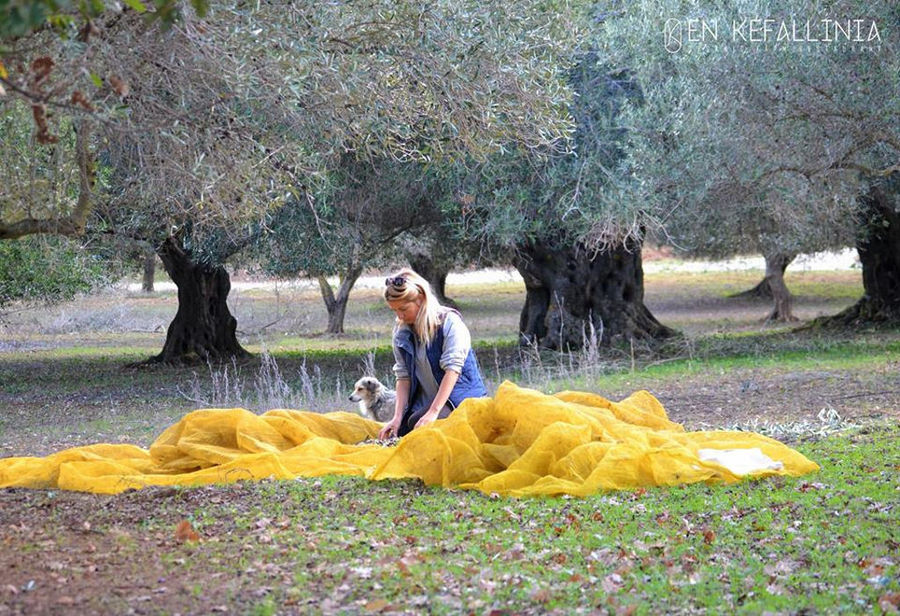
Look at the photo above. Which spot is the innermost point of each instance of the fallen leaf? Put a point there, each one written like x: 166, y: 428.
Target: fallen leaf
x: 363, y: 572
x: 889, y: 602
x: 121, y: 88
x: 40, y: 69
x: 78, y: 98
x: 377, y: 605
x: 185, y: 532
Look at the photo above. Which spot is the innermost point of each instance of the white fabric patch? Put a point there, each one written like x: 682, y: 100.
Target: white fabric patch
x: 740, y: 461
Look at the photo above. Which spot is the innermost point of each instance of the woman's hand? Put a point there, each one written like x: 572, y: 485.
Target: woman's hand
x: 390, y: 429
x: 428, y: 418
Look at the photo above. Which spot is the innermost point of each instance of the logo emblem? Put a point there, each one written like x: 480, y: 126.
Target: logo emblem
x: 672, y: 35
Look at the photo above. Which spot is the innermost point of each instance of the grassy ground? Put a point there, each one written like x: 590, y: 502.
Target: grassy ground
x: 729, y: 369
x: 824, y: 543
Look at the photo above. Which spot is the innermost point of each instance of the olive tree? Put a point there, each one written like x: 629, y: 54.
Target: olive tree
x: 202, y: 131
x: 47, y: 64
x: 48, y: 269
x: 350, y: 223
x: 575, y: 240
x: 755, y: 135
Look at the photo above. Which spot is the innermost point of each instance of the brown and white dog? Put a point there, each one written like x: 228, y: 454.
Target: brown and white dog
x: 375, y: 400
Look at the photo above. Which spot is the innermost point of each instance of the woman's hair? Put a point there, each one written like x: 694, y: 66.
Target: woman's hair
x: 407, y: 286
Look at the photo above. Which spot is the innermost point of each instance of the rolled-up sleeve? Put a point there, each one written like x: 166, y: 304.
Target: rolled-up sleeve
x: 401, y: 370
x: 457, y: 343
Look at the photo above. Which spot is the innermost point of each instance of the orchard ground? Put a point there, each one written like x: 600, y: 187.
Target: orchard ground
x: 64, y: 380
x: 821, y: 543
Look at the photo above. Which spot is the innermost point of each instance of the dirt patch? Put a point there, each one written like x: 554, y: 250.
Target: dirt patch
x: 745, y: 397
x: 93, y: 554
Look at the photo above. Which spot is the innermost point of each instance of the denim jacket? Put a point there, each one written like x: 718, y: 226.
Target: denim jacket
x: 458, y: 356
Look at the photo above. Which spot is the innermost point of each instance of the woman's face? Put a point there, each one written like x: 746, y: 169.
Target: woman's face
x: 406, y: 311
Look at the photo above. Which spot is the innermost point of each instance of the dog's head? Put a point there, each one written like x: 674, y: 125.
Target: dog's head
x: 366, y: 388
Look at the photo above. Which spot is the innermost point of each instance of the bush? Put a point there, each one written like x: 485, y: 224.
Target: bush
x: 48, y: 268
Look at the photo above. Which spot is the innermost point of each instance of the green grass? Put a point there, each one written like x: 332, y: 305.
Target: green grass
x: 710, y: 356
x: 716, y: 359
x: 826, y: 542
x: 722, y: 284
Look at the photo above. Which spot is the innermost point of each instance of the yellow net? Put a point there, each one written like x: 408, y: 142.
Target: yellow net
x: 520, y: 442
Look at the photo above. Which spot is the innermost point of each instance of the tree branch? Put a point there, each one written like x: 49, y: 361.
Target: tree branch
x: 74, y: 223
x: 327, y: 292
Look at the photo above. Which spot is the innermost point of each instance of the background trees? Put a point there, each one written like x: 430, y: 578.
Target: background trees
x: 763, y: 146
x: 47, y: 186
x: 50, y: 268
x: 345, y: 226
x: 206, y: 128
x: 369, y: 120
x: 576, y: 241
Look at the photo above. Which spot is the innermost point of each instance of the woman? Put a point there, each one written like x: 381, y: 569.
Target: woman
x: 435, y: 365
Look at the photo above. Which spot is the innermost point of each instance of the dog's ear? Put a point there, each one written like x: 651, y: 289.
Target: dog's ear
x: 371, y: 385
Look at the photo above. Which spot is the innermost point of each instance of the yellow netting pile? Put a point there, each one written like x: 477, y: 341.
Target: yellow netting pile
x: 520, y: 442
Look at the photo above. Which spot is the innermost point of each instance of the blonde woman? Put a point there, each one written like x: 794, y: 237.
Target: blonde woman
x: 434, y: 363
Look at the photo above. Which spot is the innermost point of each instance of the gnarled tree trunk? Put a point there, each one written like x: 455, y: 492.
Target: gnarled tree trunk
x: 878, y: 245
x: 782, y: 309
x: 772, y: 287
x: 203, y: 327
x: 337, y: 304
x: 776, y: 264
x: 573, y: 293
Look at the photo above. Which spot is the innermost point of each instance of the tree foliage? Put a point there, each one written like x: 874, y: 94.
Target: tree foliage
x: 47, y: 187
x: 21, y: 17
x: 565, y: 192
x: 223, y: 118
x: 49, y: 269
x: 749, y: 145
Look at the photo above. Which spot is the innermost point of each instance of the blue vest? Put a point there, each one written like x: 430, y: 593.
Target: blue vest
x: 469, y: 384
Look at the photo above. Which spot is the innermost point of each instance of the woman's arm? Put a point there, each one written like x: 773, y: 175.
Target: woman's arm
x: 393, y: 426
x: 440, y: 399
